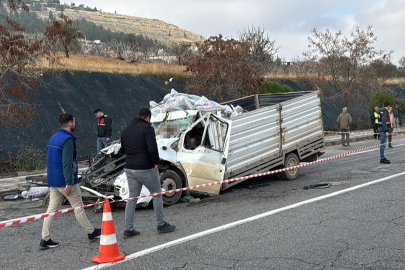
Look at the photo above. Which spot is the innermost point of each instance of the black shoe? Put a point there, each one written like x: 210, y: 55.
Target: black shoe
x: 128, y: 234
x: 165, y: 228
x: 348, y: 145
x: 95, y: 235
x: 390, y: 146
x: 343, y: 144
x: 47, y: 244
x: 320, y: 154
x: 385, y: 161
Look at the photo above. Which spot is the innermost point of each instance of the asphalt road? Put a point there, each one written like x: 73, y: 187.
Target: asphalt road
x: 358, y: 229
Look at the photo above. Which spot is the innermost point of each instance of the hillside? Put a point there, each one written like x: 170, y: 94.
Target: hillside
x: 152, y: 28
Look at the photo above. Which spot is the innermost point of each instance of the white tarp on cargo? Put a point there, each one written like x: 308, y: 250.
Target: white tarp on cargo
x: 176, y: 101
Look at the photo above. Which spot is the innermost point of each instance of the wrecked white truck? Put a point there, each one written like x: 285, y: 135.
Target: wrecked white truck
x: 274, y: 131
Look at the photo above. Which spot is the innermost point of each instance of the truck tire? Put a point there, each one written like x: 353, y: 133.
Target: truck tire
x: 291, y: 160
x: 170, y: 180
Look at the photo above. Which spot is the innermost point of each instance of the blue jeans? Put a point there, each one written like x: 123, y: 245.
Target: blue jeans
x: 383, y: 137
x: 101, y: 143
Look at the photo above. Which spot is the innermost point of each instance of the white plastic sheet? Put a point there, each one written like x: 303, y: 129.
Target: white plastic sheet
x: 176, y: 101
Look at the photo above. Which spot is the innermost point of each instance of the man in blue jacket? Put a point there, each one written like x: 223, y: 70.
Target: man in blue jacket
x: 63, y: 180
x: 138, y: 142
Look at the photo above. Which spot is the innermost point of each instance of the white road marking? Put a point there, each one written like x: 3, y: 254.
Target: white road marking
x: 239, y: 222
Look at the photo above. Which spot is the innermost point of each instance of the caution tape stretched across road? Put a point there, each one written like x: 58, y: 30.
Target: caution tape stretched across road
x: 364, y: 133
x: 17, y: 221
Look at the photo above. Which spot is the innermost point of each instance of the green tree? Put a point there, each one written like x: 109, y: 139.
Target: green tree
x: 379, y: 97
x: 269, y: 87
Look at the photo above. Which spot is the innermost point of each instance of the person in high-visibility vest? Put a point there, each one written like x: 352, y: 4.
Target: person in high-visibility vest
x: 374, y: 123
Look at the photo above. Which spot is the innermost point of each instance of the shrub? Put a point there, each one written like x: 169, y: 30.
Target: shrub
x: 8, y: 163
x: 382, y: 96
x: 29, y: 158
x: 379, y: 98
x: 269, y: 87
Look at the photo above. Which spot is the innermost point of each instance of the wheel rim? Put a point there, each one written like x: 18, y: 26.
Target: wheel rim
x: 169, y: 184
x: 291, y: 163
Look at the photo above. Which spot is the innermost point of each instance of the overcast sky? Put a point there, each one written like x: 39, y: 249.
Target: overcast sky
x: 288, y: 21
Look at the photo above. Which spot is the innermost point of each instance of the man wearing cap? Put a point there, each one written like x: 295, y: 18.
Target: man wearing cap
x: 344, y: 121
x: 103, y: 129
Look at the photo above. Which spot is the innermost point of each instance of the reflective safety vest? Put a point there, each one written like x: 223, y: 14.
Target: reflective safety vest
x: 376, y: 117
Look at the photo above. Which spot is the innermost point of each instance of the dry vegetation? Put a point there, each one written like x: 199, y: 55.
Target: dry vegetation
x: 89, y: 63
x: 152, y: 28
x: 293, y: 76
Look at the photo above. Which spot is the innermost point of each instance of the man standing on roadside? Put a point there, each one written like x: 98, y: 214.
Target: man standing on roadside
x: 63, y: 180
x: 392, y: 118
x: 344, y: 121
x: 374, y: 122
x: 138, y: 142
x: 396, y: 116
x: 103, y: 129
x: 384, y: 127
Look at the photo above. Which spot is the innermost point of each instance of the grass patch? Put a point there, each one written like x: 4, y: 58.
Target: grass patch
x: 89, y: 63
x: 396, y: 81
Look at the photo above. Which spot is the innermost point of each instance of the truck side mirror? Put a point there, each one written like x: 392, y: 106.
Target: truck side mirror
x: 223, y: 161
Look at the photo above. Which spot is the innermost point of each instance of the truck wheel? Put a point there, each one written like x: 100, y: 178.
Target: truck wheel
x: 291, y: 160
x: 170, y: 180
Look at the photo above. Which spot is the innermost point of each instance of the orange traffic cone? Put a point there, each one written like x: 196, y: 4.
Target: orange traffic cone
x: 108, y: 251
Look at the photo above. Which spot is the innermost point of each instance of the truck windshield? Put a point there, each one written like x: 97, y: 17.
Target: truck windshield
x: 172, y: 128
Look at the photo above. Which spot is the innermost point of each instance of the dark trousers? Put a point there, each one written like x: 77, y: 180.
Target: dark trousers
x: 376, y: 133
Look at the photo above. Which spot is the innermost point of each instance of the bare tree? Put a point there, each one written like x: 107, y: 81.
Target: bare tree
x: 344, y: 63
x: 262, y: 48
x: 146, y: 47
x: 223, y: 70
x: 180, y: 51
x: 118, y: 48
x: 133, y: 45
x: 62, y: 32
x: 17, y: 82
x: 401, y: 62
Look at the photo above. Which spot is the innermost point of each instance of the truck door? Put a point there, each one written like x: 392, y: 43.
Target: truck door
x: 203, y: 151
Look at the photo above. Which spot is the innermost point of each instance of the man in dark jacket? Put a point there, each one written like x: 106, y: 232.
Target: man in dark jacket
x: 63, y: 180
x: 103, y: 129
x: 138, y: 142
x: 385, y: 128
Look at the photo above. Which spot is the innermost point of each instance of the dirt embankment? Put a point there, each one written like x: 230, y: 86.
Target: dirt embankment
x: 118, y: 96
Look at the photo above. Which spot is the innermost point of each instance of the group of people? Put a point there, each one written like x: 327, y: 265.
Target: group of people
x: 138, y: 142
x: 383, y: 121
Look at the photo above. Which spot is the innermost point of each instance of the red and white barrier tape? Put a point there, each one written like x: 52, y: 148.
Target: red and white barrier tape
x: 41, y: 216
x: 364, y: 133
